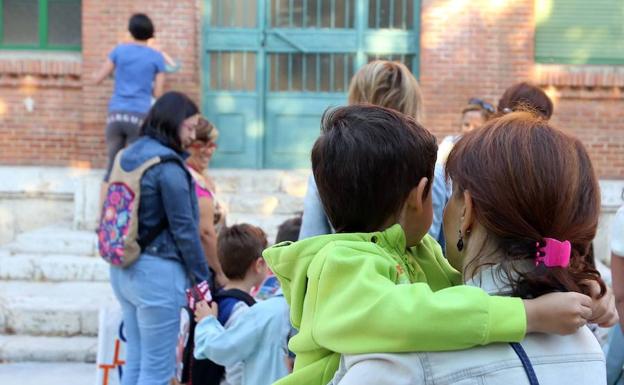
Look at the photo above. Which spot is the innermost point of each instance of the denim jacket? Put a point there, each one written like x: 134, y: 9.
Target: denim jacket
x: 167, y: 191
x: 314, y: 221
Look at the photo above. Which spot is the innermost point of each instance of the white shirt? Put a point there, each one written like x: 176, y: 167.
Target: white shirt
x: 575, y: 359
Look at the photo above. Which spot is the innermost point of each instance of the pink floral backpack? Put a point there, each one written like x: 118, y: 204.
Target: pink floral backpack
x: 118, y: 241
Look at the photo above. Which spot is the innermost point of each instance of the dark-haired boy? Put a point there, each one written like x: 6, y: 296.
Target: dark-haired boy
x: 377, y: 284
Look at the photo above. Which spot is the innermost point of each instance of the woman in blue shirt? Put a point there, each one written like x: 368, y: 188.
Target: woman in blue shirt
x: 139, y: 75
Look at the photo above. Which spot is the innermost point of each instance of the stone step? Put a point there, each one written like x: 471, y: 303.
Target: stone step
x: 52, y: 309
x: 48, y: 373
x: 57, y: 239
x: 19, y: 348
x: 292, y: 182
x: 261, y: 205
x: 54, y: 268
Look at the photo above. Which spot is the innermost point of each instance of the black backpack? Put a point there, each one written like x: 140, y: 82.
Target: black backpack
x: 207, y: 372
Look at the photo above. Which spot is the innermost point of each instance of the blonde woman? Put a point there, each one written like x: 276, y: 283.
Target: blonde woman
x: 201, y: 151
x: 380, y: 82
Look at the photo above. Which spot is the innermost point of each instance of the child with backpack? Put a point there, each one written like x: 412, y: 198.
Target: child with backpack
x: 250, y: 342
x: 381, y: 283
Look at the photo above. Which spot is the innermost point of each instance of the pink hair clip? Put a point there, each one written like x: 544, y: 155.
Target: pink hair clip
x: 554, y: 254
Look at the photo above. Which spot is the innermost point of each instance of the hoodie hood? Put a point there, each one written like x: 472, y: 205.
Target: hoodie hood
x: 289, y: 261
x: 144, y: 149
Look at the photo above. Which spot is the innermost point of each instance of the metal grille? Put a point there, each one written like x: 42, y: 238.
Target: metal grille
x: 233, y: 71
x: 312, y: 13
x: 295, y: 72
x: 392, y: 14
x: 234, y: 13
x: 408, y: 60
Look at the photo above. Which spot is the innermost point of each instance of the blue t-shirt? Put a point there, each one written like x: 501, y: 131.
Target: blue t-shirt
x: 136, y: 67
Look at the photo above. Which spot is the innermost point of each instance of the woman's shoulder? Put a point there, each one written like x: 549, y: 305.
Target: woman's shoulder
x: 199, y: 178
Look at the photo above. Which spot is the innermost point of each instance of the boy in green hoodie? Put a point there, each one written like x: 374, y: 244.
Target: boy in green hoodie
x: 381, y: 284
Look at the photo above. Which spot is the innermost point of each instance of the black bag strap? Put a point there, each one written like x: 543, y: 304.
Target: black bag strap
x: 155, y: 232
x: 149, y: 237
x: 237, y: 294
x: 526, y: 363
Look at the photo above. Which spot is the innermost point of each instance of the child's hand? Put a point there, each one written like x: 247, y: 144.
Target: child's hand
x: 604, y: 312
x: 203, y: 309
x: 558, y: 313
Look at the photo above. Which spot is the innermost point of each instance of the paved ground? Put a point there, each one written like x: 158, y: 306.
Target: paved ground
x: 37, y: 373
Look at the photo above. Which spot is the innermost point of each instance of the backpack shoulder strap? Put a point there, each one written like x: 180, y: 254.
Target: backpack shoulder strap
x: 237, y: 294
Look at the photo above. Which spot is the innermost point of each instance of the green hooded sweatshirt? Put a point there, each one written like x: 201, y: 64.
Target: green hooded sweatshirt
x: 356, y: 293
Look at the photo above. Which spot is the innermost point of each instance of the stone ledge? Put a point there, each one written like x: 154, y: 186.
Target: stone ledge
x: 590, y: 76
x: 39, y: 63
x: 41, y: 69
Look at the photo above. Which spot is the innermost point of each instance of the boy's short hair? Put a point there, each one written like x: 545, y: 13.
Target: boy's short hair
x: 141, y: 27
x: 238, y: 247
x: 366, y: 162
x: 289, y: 230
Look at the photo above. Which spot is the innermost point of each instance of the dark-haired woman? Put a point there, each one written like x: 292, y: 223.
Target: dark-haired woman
x: 151, y: 291
x: 526, y: 96
x: 139, y: 74
x: 523, y: 213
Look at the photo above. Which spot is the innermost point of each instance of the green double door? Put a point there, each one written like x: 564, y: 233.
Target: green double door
x: 271, y: 67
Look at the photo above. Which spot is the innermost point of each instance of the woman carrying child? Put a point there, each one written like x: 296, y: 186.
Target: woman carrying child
x: 381, y: 284
x: 522, y: 231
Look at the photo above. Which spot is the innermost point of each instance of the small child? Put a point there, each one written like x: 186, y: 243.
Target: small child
x: 289, y: 230
x: 381, y: 283
x: 251, y: 342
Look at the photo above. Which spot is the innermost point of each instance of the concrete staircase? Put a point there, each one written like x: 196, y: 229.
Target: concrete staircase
x: 52, y: 283
x: 51, y: 288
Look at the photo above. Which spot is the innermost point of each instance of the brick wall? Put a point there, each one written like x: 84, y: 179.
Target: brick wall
x: 468, y: 48
x: 480, y: 47
x: 66, y: 126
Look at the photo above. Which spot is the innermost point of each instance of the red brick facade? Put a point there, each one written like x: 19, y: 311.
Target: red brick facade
x: 468, y: 48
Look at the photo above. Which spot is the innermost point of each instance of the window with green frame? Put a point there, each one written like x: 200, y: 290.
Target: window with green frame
x: 40, y: 24
x: 579, y: 31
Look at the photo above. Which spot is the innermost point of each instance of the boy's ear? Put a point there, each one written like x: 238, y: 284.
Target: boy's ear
x: 260, y: 264
x: 417, y: 197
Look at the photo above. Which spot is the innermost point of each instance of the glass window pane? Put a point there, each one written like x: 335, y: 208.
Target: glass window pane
x: 408, y: 60
x: 325, y: 73
x: 312, y: 13
x: 311, y: 83
x: 339, y: 73
x: 398, y: 14
x: 283, y: 72
x: 214, y: 68
x: 233, y: 71
x: 296, y: 68
x: 315, y: 72
x: 20, y: 21
x: 250, y: 70
x: 64, y: 22
x: 233, y: 13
